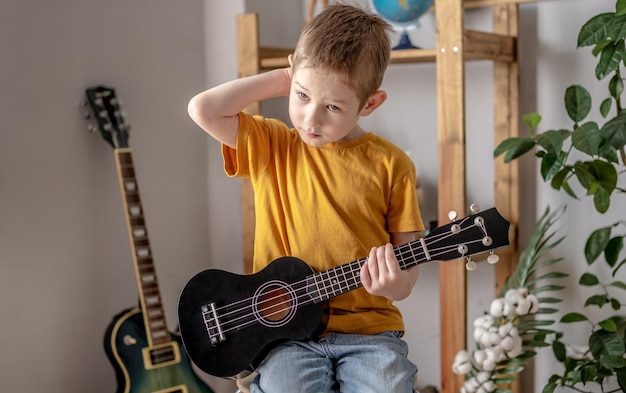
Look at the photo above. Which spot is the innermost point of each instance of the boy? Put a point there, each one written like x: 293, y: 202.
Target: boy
x: 328, y: 192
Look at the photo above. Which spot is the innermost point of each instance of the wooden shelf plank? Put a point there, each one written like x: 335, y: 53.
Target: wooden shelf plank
x: 490, y: 3
x: 478, y: 46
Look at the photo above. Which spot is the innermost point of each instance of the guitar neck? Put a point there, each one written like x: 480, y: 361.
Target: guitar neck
x: 149, y: 295
x: 344, y: 278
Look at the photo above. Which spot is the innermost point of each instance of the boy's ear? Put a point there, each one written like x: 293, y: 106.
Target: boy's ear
x: 290, y: 59
x: 373, y: 102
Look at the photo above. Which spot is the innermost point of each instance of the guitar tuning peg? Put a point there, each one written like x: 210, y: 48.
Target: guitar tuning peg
x: 87, y: 115
x: 452, y: 215
x: 474, y: 208
x: 493, y: 258
x: 470, y: 265
x: 91, y: 128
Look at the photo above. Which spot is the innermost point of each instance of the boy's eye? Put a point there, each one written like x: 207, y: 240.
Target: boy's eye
x: 302, y: 95
x: 334, y: 108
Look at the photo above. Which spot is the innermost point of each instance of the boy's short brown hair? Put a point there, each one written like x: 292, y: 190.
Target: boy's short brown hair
x: 349, y: 41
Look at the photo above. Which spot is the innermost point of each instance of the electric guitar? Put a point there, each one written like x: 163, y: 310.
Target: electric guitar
x: 229, y: 322
x: 147, y: 358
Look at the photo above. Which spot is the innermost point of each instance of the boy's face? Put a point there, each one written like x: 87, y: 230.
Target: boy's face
x: 322, y: 108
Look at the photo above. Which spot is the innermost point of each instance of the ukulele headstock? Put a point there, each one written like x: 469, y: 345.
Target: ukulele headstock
x: 481, y: 231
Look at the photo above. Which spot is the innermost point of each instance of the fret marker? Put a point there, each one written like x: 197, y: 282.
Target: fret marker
x: 134, y: 210
x: 143, y: 252
x: 130, y: 186
x: 148, y: 278
x: 425, y: 249
x: 140, y: 232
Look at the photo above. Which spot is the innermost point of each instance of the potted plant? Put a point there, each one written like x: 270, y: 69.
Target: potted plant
x: 591, y: 157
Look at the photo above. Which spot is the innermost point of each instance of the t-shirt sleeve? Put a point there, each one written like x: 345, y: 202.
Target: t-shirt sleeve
x: 236, y: 160
x: 404, y: 213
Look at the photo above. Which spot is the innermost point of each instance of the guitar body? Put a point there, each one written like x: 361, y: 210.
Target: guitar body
x: 270, y: 313
x: 124, y: 341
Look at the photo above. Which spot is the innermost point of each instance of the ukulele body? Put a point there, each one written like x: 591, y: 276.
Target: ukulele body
x: 227, y: 320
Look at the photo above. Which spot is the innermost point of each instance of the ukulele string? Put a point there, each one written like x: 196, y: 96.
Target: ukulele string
x: 305, y: 294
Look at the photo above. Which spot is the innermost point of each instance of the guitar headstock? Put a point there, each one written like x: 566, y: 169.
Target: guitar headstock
x: 479, y: 232
x: 106, y: 111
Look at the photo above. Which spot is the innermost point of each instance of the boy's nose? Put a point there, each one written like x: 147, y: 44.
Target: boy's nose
x: 311, y: 117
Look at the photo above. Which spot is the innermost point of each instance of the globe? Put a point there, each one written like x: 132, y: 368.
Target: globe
x: 402, y: 15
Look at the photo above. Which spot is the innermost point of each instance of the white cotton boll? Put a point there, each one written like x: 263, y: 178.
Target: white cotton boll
x: 483, y: 377
x: 478, y: 333
x: 494, y: 338
x: 509, y: 309
x: 534, y: 303
x: 471, y: 385
x: 489, y: 386
x: 505, y: 329
x: 462, y: 364
x: 507, y: 343
x: 480, y: 356
x: 497, y: 307
x: 517, y: 348
x: 485, y: 321
x: 523, y: 307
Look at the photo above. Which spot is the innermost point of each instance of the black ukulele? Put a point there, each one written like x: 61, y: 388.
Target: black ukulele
x: 228, y: 322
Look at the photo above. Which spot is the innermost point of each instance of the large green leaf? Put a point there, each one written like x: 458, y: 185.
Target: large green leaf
x: 606, y: 343
x: 596, y: 243
x: 573, y: 317
x: 605, y: 107
x: 551, y: 141
x: 615, y: 131
x: 616, y: 86
x: 613, y: 249
x: 605, y: 173
x: 595, y: 30
x: 610, y: 59
x: 577, y: 102
x: 516, y: 145
x: 617, y: 27
x: 587, y: 138
x: 588, y: 279
x: 602, y: 200
x: 620, y: 7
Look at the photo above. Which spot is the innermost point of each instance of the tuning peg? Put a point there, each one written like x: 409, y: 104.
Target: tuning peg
x: 470, y: 265
x: 487, y: 240
x: 452, y: 215
x: 91, y: 128
x: 474, y: 208
x: 493, y: 258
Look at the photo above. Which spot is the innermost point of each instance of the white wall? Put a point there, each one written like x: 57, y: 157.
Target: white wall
x: 65, y: 266
x: 65, y: 262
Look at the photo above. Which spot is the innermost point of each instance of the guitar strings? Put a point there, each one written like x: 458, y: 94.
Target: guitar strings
x: 298, y: 287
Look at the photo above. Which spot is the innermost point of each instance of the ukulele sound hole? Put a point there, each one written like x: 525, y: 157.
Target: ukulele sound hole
x: 274, y: 304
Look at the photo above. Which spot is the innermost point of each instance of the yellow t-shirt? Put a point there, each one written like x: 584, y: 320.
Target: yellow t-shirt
x: 328, y: 206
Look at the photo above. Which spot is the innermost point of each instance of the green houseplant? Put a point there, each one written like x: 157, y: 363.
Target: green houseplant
x: 591, y: 158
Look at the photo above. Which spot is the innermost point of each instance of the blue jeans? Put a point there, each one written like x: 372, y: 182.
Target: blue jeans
x: 346, y: 363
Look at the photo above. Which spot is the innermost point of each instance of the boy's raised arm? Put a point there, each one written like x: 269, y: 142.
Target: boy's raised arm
x: 216, y: 110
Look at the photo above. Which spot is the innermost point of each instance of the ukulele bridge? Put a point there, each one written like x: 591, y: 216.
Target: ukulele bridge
x: 212, y: 324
